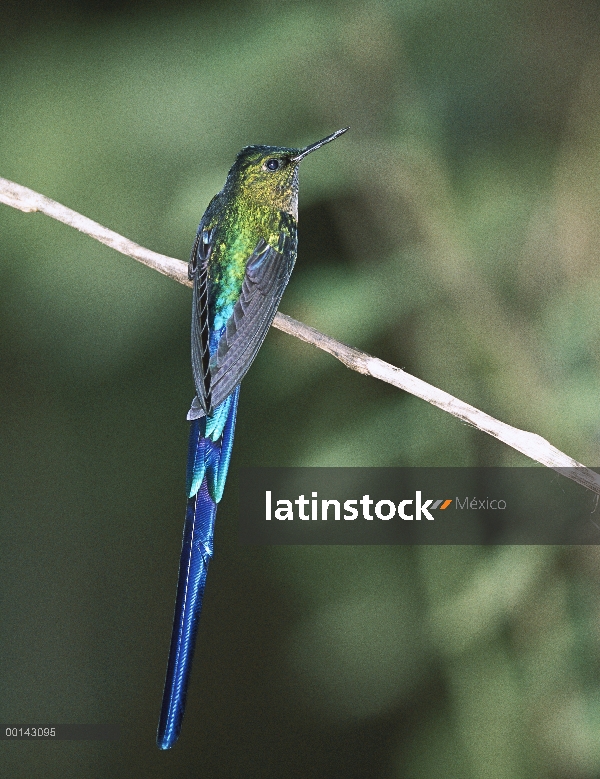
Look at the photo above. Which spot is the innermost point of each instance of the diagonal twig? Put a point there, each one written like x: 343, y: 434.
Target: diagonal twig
x: 529, y: 444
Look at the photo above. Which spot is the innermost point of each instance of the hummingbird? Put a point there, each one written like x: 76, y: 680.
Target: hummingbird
x: 241, y: 262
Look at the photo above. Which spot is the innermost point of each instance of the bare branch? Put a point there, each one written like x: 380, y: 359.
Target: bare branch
x: 529, y: 444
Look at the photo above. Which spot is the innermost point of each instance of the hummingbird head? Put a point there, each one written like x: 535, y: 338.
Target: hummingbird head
x: 268, y: 175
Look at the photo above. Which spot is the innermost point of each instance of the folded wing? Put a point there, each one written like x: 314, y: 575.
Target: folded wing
x: 267, y: 273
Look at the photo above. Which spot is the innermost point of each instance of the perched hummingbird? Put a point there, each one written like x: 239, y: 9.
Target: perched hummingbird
x: 241, y: 262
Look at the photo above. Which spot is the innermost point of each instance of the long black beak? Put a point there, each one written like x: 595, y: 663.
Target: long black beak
x: 317, y: 145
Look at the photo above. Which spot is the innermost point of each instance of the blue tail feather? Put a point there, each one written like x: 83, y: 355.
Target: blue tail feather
x: 217, y: 483
x: 208, y: 462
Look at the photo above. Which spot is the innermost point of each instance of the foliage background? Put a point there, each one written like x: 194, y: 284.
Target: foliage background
x: 455, y: 231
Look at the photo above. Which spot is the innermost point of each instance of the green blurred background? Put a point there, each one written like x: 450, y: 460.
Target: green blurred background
x: 455, y: 231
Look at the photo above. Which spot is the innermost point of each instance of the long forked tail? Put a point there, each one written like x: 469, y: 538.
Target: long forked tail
x: 211, y: 439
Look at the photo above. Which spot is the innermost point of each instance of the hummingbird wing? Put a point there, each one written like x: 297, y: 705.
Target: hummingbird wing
x: 267, y: 273
x: 198, y: 271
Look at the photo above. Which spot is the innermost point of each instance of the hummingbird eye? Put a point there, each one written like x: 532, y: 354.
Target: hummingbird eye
x: 272, y: 164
